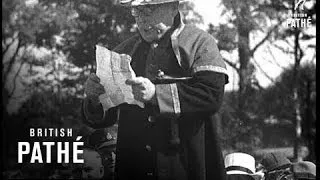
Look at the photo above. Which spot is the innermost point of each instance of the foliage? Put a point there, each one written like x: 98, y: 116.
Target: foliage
x: 278, y: 101
x: 240, y: 132
x: 83, y: 24
x: 44, y: 109
x: 272, y: 114
x: 246, y: 110
x: 190, y: 16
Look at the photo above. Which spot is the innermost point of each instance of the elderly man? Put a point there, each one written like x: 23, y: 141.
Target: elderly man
x: 174, y: 136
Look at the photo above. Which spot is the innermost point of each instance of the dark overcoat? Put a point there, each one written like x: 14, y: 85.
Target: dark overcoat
x: 145, y: 148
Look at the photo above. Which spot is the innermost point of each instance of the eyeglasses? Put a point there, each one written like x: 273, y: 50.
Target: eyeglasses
x: 145, y: 10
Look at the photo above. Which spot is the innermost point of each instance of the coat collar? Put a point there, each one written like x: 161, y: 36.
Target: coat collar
x: 178, y: 27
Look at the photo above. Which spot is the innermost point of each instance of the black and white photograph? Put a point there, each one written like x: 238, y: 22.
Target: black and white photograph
x: 159, y: 89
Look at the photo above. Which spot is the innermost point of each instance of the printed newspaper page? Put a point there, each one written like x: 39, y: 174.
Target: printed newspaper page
x: 114, y: 69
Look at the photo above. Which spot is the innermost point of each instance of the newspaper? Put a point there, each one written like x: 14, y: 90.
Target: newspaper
x: 114, y: 69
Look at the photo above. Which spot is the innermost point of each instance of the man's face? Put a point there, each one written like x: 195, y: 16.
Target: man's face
x: 93, y: 167
x: 154, y: 20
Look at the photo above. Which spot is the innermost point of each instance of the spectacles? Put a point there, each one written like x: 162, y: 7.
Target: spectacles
x: 145, y: 10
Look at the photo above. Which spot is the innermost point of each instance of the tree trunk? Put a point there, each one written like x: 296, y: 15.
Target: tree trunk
x: 297, y: 58
x: 244, y: 58
x: 308, y: 122
x: 298, y: 119
x: 296, y: 98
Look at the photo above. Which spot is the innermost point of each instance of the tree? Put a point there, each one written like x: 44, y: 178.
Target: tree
x: 18, y: 27
x: 299, y: 35
x: 19, y: 24
x: 190, y: 16
x: 278, y: 102
x: 246, y: 19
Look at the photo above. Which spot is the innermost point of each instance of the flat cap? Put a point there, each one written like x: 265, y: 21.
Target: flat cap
x: 304, y: 170
x: 275, y: 161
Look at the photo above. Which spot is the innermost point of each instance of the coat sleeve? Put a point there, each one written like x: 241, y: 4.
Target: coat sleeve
x: 204, y: 92
x: 96, y: 117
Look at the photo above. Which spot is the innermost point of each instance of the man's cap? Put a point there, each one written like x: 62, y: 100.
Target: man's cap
x: 239, y: 163
x: 304, y: 170
x: 145, y: 2
x: 101, y: 137
x: 275, y: 161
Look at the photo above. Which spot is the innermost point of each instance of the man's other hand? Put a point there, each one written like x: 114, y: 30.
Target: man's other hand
x: 143, y: 89
x: 93, y: 89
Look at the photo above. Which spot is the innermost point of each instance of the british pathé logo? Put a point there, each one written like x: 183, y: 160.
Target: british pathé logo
x: 299, y: 19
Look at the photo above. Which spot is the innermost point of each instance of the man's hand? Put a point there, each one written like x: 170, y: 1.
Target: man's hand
x: 143, y: 89
x: 93, y: 89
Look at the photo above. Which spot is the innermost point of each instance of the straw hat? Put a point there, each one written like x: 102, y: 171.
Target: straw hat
x: 240, y: 163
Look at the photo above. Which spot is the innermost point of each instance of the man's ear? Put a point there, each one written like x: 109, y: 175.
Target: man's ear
x: 101, y: 171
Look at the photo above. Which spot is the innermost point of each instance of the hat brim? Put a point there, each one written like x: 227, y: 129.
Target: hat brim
x: 281, y: 167
x: 302, y: 175
x: 243, y: 173
x: 237, y: 172
x: 134, y: 3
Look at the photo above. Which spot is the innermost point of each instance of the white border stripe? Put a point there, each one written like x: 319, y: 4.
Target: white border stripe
x: 175, y: 98
x: 210, y: 68
x: 174, y: 39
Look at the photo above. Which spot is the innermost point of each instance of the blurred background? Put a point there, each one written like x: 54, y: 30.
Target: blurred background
x: 270, y: 101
